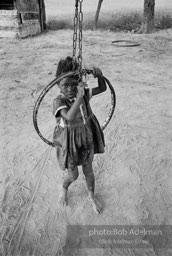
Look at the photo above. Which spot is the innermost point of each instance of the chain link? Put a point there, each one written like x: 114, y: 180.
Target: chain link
x: 77, y: 36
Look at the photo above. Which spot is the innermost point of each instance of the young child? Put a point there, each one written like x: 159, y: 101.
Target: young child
x: 77, y: 135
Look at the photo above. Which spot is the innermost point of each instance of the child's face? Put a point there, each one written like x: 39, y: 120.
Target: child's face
x: 68, y: 86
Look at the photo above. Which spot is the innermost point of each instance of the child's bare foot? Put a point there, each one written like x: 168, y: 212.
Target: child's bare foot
x: 96, y: 205
x: 63, y: 197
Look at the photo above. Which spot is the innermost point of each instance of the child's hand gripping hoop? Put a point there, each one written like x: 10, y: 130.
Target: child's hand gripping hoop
x: 56, y: 80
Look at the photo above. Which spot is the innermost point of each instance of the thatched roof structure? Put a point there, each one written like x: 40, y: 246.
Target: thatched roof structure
x: 21, y: 18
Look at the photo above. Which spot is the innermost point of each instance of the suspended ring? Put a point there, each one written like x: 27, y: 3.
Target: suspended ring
x: 51, y: 84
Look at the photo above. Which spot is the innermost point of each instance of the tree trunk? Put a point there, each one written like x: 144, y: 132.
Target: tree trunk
x: 97, y: 14
x: 148, y: 17
x: 42, y: 15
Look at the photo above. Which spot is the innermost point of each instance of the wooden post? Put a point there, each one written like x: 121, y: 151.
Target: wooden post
x: 15, y: 4
x: 97, y: 14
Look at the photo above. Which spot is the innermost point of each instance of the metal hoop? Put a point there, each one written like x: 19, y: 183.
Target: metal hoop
x: 50, y: 85
x: 129, y: 43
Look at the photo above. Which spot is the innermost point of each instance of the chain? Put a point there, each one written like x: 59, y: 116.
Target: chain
x: 80, y: 34
x: 75, y: 21
x: 78, y: 19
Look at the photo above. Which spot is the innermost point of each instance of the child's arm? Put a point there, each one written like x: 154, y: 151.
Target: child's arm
x: 101, y: 83
x: 69, y: 114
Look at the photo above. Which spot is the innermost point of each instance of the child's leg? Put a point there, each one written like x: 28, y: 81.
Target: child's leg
x: 71, y: 176
x: 90, y: 180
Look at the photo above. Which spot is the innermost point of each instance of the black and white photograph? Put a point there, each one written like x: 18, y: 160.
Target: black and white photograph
x: 86, y: 127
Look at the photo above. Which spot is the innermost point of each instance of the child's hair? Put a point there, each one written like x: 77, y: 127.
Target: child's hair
x: 66, y: 65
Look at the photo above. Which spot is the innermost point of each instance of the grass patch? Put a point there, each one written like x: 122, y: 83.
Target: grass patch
x: 163, y: 22
x: 121, y: 21
x: 56, y: 23
x: 111, y: 21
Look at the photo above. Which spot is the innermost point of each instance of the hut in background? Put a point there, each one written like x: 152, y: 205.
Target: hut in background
x: 22, y: 18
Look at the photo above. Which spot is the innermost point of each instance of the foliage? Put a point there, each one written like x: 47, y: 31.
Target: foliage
x: 115, y: 21
x: 55, y: 23
x: 163, y: 22
x: 122, y: 22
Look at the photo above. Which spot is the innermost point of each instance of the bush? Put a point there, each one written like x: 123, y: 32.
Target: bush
x: 119, y: 22
x: 163, y: 22
x: 112, y: 21
x: 55, y: 23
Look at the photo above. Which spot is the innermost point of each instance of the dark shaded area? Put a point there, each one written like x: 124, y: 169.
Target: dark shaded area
x: 27, y: 6
x: 7, y: 5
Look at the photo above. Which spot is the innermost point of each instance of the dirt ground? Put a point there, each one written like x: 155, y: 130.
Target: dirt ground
x: 133, y: 177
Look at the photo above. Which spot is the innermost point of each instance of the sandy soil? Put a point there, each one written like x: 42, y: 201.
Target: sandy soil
x: 133, y: 177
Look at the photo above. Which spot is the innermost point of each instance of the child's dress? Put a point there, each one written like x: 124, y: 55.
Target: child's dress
x: 77, y: 141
